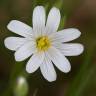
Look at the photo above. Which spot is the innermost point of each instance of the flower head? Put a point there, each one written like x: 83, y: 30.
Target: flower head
x: 43, y: 44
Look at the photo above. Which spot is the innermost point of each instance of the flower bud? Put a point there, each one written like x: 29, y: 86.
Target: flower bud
x: 21, y: 87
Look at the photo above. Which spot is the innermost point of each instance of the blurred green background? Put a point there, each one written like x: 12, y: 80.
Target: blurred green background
x: 81, y: 81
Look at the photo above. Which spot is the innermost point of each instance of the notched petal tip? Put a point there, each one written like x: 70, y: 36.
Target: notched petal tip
x: 55, y: 8
x: 27, y: 70
x: 10, y: 24
x: 78, y: 31
x: 68, y: 69
x: 17, y: 58
x: 51, y: 80
x: 81, y: 49
x: 38, y: 7
x: 56, y: 11
x: 75, y: 31
x: 7, y: 43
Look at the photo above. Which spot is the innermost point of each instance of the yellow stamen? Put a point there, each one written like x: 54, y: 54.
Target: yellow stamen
x: 43, y: 43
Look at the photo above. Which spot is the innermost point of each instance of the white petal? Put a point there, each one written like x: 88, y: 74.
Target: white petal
x: 25, y: 51
x: 59, y: 60
x: 48, y: 70
x: 53, y: 20
x: 34, y: 63
x: 66, y: 35
x: 13, y: 43
x: 20, y: 28
x: 39, y: 20
x: 70, y: 49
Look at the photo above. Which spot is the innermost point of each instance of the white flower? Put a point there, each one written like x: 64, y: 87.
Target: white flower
x: 43, y: 43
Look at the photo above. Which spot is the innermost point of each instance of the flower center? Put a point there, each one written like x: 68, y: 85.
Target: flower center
x: 43, y: 43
